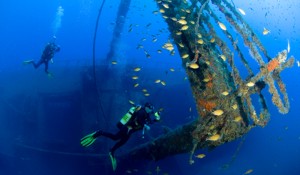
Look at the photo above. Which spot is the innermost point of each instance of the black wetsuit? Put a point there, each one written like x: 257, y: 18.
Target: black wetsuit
x: 137, y: 122
x: 47, y: 55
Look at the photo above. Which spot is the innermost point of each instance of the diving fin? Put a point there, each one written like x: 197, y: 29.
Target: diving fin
x: 113, y: 161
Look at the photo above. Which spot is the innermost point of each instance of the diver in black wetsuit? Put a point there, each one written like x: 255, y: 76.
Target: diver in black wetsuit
x: 136, y: 119
x: 50, y: 49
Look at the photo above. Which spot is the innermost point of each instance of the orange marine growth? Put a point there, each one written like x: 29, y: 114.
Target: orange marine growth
x: 273, y: 64
x: 208, y: 105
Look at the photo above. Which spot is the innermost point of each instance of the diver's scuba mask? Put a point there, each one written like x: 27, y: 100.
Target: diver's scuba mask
x: 149, y: 108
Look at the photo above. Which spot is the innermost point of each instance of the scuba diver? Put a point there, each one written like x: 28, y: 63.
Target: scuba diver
x: 50, y: 49
x: 137, y: 118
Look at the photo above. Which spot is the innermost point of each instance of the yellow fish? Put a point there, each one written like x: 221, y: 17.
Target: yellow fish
x: 147, y: 94
x: 194, y: 66
x: 218, y: 112
x: 185, y: 27
x: 200, y: 41
x: 223, y: 57
x: 212, y: 40
x: 222, y: 26
x: 135, y: 77
x: 157, y: 81
x: 249, y: 171
x: 200, y: 156
x: 182, y: 21
x: 163, y: 83
x: 266, y: 31
x: 180, y: 44
x: 136, y: 85
x: 185, y: 56
x: 114, y: 62
x: 172, y: 69
x: 238, y: 119
x: 250, y: 84
x: 165, y: 5
x: 178, y: 33
x: 225, y: 93
x: 137, y: 69
x: 161, y: 10
x: 234, y: 106
x: 214, y: 137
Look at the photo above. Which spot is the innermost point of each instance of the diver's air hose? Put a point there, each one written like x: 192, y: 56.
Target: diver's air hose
x: 94, y: 66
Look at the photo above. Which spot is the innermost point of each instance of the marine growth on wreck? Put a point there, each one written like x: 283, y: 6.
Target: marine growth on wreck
x: 211, y: 36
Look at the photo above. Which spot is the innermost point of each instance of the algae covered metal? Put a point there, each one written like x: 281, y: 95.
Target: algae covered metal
x: 212, y: 37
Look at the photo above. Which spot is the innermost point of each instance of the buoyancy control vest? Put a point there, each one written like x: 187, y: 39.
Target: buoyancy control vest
x: 128, y: 116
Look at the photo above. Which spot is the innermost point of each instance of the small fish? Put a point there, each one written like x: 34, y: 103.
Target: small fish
x: 137, y: 69
x: 180, y: 44
x: 212, y: 40
x: 148, y: 25
x: 249, y: 171
x: 185, y: 56
x: 250, y: 84
x: 205, y: 80
x: 147, y: 94
x: 200, y: 41
x: 242, y: 11
x: 157, y: 81
x: 298, y: 63
x: 192, y: 22
x: 114, y: 62
x: 185, y: 27
x: 182, y: 21
x: 178, y: 33
x: 161, y: 10
x: 172, y: 69
x: 225, y: 93
x: 130, y: 30
x: 238, y: 119
x: 218, y: 112
x: 144, y: 90
x: 174, y: 19
x: 139, y: 46
x: 266, y: 31
x: 194, y: 66
x: 163, y: 83
x: 154, y: 40
x: 135, y: 77
x: 234, y: 106
x: 222, y: 26
x: 200, y: 156
x: 214, y: 137
x: 136, y: 85
x: 223, y: 57
x: 165, y: 5
x: 131, y: 102
x: 155, y: 12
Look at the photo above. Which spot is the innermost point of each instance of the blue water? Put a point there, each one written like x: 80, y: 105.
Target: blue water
x: 35, y: 142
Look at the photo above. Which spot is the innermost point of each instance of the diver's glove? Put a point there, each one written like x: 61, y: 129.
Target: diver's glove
x: 88, y: 139
x: 157, y: 115
x: 147, y: 127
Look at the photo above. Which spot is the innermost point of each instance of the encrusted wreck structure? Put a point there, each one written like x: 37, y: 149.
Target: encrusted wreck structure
x: 209, y: 36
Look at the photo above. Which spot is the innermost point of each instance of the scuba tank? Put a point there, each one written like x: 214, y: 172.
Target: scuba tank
x: 126, y: 118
